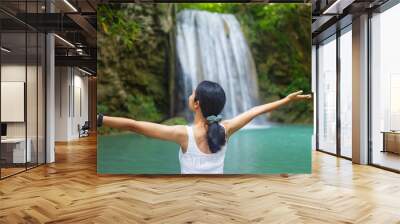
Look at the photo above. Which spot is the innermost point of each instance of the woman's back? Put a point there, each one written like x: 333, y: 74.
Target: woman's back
x: 194, y: 161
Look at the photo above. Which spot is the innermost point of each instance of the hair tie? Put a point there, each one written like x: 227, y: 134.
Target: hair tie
x: 212, y: 119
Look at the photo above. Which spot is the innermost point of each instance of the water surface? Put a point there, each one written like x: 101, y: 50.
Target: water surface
x: 277, y: 149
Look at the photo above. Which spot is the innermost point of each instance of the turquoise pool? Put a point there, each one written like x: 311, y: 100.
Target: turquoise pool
x: 276, y: 149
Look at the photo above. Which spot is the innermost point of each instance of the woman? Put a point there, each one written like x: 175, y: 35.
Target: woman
x: 202, y: 145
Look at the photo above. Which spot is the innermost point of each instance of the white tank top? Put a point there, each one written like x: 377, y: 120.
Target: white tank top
x: 194, y: 161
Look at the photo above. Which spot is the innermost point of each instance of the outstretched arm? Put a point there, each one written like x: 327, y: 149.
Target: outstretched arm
x: 174, y: 133
x: 242, y: 119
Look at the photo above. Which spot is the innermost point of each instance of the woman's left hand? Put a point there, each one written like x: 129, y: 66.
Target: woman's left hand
x: 298, y: 96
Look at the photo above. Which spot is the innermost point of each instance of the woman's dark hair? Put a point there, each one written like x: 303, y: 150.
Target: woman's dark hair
x: 212, y: 100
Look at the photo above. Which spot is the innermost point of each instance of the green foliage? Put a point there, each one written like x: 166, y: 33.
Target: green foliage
x: 176, y: 121
x: 211, y: 7
x: 284, y: 44
x: 279, y: 38
x: 131, y: 62
x: 114, y: 24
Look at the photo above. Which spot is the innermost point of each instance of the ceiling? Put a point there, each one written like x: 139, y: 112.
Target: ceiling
x: 328, y: 16
x: 74, y: 22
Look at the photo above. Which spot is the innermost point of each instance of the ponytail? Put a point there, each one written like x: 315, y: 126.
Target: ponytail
x: 216, y: 137
x: 212, y: 99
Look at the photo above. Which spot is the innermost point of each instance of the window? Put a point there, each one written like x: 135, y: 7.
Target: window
x: 22, y: 88
x: 346, y: 92
x: 385, y: 88
x: 327, y: 95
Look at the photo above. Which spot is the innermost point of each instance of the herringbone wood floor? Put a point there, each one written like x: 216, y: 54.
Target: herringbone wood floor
x: 69, y: 191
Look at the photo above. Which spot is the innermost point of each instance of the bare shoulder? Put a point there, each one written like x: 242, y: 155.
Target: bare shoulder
x: 180, y: 132
x: 179, y: 129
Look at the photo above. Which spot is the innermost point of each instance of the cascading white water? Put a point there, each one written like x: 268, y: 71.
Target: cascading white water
x: 211, y: 46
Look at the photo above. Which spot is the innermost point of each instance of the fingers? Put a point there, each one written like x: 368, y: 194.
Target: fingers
x: 298, y: 92
x: 308, y: 96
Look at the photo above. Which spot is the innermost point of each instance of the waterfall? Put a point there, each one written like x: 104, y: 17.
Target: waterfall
x: 211, y: 46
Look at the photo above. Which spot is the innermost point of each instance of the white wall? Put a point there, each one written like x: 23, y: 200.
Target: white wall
x: 70, y: 83
x: 80, y: 100
x: 33, y: 127
x: 61, y: 103
x: 16, y: 73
